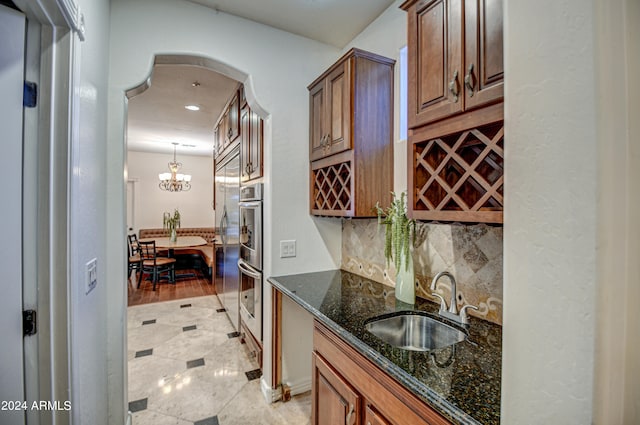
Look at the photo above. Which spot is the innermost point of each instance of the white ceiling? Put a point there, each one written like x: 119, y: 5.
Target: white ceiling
x: 157, y: 116
x: 333, y: 22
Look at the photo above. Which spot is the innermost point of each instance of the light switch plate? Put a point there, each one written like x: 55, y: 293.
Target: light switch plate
x: 287, y: 249
x: 91, y: 279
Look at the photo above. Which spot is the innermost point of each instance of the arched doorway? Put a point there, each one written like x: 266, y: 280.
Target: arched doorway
x: 180, y: 380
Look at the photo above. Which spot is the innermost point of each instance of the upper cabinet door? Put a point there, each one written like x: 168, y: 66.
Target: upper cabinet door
x: 217, y: 141
x: 338, y: 110
x: 483, y: 69
x: 435, y: 61
x: 330, y: 113
x: 245, y: 144
x: 250, y: 145
x: 223, y: 131
x: 316, y: 120
x: 233, y: 119
x: 255, y: 146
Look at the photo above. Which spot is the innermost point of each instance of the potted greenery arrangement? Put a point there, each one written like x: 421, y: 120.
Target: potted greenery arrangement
x: 171, y: 223
x: 400, y: 234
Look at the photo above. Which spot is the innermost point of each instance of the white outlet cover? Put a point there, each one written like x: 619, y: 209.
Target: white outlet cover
x: 287, y: 249
x: 91, y: 277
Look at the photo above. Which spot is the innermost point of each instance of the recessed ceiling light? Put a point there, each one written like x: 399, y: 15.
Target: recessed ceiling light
x: 192, y: 107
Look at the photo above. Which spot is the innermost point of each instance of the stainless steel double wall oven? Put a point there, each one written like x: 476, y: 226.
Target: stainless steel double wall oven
x: 250, y: 261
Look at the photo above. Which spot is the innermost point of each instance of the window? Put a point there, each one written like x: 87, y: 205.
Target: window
x: 402, y: 121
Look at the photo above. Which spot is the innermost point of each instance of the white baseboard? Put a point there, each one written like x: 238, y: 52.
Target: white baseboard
x: 270, y: 395
x: 300, y: 386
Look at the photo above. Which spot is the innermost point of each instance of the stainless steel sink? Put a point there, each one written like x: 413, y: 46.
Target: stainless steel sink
x: 414, y: 331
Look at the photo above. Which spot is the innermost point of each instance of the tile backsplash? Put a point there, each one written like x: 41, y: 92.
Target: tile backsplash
x: 472, y: 253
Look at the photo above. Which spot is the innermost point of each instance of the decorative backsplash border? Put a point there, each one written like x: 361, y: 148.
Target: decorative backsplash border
x: 472, y: 253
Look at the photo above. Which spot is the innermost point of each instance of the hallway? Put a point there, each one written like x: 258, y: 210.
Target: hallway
x: 187, y: 366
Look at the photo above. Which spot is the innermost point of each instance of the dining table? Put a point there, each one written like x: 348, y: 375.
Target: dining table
x: 180, y: 242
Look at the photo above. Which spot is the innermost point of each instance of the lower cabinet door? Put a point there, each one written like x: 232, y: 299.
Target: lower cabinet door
x: 373, y: 418
x: 334, y: 401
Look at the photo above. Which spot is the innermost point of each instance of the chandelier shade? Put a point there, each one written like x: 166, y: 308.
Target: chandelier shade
x: 174, y: 181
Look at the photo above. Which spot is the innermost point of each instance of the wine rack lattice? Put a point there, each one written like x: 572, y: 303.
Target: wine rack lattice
x: 461, y: 172
x: 332, y: 187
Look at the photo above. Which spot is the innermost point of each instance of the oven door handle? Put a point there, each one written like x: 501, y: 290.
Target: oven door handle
x: 246, y: 269
x: 249, y: 204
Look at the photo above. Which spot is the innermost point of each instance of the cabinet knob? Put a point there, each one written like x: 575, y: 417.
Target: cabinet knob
x: 468, y: 81
x: 453, y: 86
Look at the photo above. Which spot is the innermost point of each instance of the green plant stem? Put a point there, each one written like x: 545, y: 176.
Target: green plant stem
x: 399, y: 231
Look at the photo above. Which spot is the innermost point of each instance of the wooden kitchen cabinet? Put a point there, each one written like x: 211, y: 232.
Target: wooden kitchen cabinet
x: 458, y: 176
x: 233, y: 120
x: 351, y: 136
x: 253, y: 345
x: 330, y: 117
x: 454, y: 57
x: 455, y: 110
x: 227, y: 129
x: 334, y: 401
x: 217, y: 141
x: 371, y: 417
x: 251, y: 145
x: 345, y: 381
x: 483, y: 55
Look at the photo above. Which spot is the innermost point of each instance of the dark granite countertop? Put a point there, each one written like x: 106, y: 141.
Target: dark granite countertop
x: 462, y: 382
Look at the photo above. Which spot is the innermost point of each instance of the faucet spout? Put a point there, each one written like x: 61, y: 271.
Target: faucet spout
x: 453, y: 306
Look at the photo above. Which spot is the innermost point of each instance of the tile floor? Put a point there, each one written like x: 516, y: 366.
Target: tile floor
x: 187, y: 366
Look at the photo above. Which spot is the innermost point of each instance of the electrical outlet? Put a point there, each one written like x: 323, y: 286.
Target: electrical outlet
x: 91, y: 279
x: 287, y: 249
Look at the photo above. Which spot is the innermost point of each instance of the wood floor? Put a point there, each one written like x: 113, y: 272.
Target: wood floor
x: 183, y: 288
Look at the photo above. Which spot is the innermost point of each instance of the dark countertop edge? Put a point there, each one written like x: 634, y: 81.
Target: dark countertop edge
x: 448, y: 410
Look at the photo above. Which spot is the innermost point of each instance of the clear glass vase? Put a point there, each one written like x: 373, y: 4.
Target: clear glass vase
x: 405, y: 281
x: 174, y: 235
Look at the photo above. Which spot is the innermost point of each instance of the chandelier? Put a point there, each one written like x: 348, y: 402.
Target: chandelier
x: 174, y: 181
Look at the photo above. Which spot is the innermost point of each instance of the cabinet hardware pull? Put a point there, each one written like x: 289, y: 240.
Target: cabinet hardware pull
x: 468, y: 80
x: 453, y: 86
x: 347, y: 420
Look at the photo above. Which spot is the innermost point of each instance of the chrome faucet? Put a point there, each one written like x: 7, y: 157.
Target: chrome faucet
x: 451, y: 313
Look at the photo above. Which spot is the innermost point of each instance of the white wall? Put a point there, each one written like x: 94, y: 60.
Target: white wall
x: 150, y: 201
x: 280, y: 65
x: 551, y: 184
x: 297, y: 345
x: 12, y: 30
x: 617, y: 387
x: 87, y: 219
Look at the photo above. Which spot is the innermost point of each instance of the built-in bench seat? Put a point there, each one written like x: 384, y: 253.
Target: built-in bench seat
x: 204, y: 251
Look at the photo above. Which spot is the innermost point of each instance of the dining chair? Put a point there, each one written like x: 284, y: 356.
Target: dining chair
x: 133, y: 248
x: 154, y: 265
